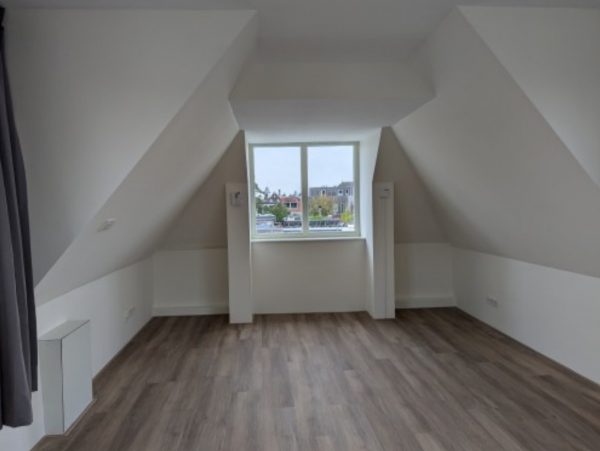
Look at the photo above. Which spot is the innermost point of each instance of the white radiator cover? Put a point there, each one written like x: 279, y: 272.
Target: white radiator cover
x: 66, y: 374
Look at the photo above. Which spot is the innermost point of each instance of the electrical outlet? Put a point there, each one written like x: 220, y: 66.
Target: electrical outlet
x: 492, y: 302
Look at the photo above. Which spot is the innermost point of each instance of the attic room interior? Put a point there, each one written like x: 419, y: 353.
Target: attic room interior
x: 320, y: 225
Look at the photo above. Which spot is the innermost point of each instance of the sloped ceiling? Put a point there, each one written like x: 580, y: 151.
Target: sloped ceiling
x: 287, y: 102
x: 158, y: 187
x: 202, y: 224
x: 93, y: 90
x: 130, y: 127
x: 505, y: 182
x: 415, y: 220
x: 324, y: 30
x: 553, y: 55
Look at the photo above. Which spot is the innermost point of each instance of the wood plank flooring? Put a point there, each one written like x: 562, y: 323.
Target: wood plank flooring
x: 431, y: 380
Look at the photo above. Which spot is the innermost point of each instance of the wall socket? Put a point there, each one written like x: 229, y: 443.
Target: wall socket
x: 128, y: 313
x: 492, y: 302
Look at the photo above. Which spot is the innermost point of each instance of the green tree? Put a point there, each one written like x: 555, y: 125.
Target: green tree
x: 320, y: 206
x: 260, y: 206
x: 347, y: 217
x: 280, y: 212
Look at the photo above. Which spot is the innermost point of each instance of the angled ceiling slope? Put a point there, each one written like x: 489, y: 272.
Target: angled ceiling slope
x: 201, y: 225
x: 415, y: 219
x: 290, y: 102
x: 505, y: 182
x: 553, y: 56
x: 93, y: 90
x: 158, y: 187
x: 324, y: 30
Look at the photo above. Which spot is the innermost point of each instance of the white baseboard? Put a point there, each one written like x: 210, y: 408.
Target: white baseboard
x: 190, y: 310
x: 405, y: 302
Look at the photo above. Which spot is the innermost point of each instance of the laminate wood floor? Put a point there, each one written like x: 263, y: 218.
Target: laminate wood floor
x: 431, y: 380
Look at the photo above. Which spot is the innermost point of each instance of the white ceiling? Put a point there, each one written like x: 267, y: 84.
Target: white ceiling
x: 325, y: 30
x: 277, y: 102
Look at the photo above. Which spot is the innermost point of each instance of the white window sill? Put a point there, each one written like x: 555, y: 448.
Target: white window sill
x: 305, y: 239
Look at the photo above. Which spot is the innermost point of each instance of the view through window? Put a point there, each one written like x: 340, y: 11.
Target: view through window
x: 303, y: 190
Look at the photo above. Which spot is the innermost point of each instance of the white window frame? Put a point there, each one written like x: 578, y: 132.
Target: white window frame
x: 305, y: 234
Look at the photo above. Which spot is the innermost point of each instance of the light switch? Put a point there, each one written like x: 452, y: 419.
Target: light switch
x: 236, y: 199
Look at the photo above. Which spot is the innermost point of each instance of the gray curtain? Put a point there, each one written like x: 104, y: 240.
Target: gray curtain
x: 18, y: 336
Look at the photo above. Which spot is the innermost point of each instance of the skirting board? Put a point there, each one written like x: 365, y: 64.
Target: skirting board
x: 191, y: 310
x: 425, y: 302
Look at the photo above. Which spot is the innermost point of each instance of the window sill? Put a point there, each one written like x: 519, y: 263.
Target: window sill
x: 309, y: 239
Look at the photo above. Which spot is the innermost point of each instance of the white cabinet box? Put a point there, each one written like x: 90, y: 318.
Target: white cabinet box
x: 66, y: 374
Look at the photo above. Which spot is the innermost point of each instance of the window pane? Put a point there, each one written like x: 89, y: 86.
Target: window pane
x: 331, y: 189
x: 278, y: 186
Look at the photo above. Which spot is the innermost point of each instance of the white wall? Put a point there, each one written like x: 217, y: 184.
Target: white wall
x: 505, y: 183
x: 103, y: 302
x: 164, y: 180
x: 195, y: 282
x: 423, y: 275
x: 192, y: 282
x: 552, y: 311
x: 552, y: 53
x: 309, y: 276
x: 194, y: 228
x: 415, y: 219
x: 93, y: 89
x: 287, y: 277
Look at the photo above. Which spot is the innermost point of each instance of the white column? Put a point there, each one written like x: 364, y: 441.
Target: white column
x: 383, y: 228
x: 238, y: 253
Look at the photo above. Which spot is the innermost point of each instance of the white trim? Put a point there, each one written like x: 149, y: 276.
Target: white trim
x: 409, y: 302
x: 184, y: 310
x: 311, y: 238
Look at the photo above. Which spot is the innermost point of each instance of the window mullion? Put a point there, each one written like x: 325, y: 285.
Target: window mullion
x: 304, y: 172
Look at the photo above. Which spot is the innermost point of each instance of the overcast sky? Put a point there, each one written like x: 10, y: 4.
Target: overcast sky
x: 279, y: 167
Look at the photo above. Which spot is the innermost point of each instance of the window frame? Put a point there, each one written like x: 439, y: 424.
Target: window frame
x: 306, y: 234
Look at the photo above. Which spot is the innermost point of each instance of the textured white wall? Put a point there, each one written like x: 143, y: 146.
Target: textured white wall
x: 552, y: 311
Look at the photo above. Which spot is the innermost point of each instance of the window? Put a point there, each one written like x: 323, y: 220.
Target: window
x: 304, y: 190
